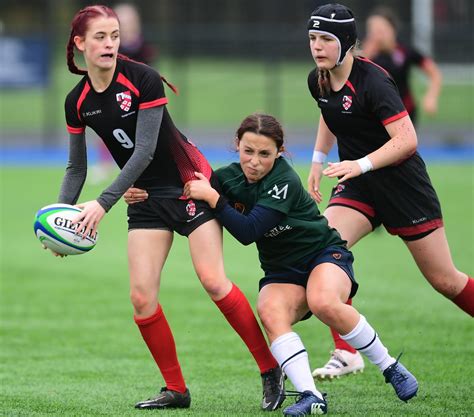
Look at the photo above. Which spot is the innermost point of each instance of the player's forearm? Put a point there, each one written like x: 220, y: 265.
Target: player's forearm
x: 435, y: 78
x: 325, y: 139
x: 212, y: 197
x: 76, y: 170
x: 402, y: 145
x: 250, y: 228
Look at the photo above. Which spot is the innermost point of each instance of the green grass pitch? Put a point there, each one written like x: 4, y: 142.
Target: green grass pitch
x: 69, y: 346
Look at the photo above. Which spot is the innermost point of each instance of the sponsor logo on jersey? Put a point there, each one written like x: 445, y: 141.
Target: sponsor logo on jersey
x: 239, y: 207
x: 337, y: 256
x: 91, y: 113
x: 124, y: 100
x: 347, y: 102
x: 279, y: 193
x: 191, y: 208
x: 277, y: 230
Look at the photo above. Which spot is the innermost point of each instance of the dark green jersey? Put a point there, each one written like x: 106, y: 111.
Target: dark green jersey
x: 302, y: 232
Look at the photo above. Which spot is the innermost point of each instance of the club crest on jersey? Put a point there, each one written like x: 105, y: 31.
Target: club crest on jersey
x: 191, y: 208
x: 124, y: 99
x: 337, y: 256
x: 347, y: 102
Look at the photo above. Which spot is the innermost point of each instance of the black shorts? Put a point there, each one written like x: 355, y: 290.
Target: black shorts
x: 399, y: 197
x: 337, y: 255
x: 181, y: 216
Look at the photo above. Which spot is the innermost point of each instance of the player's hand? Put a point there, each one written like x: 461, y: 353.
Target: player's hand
x: 343, y: 170
x: 135, y: 195
x: 201, y: 189
x: 430, y: 105
x: 54, y: 253
x: 89, y: 218
x: 314, y: 180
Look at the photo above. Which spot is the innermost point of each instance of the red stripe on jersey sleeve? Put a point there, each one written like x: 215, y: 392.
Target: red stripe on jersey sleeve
x: 155, y: 103
x: 127, y: 83
x: 395, y: 117
x: 75, y: 130
x: 82, y: 97
x: 416, y: 229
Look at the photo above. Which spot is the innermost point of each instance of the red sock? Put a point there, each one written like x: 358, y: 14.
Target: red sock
x: 157, y: 335
x: 239, y: 314
x: 465, y: 299
x: 338, y: 342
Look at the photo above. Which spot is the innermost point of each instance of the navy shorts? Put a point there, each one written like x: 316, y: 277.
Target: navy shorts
x: 400, y: 197
x: 181, y: 216
x: 337, y: 255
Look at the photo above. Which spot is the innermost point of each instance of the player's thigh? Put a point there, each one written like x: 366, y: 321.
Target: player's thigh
x: 281, y: 305
x: 327, y: 286
x: 147, y: 253
x: 205, y: 245
x: 433, y: 257
x: 351, y: 224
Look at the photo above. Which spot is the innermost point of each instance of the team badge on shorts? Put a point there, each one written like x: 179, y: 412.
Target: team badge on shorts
x: 191, y: 208
x: 124, y: 100
x: 339, y: 188
x: 336, y: 256
x: 347, y: 102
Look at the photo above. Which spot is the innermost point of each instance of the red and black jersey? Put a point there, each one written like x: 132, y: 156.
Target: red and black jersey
x: 399, y: 63
x: 112, y: 114
x: 358, y: 112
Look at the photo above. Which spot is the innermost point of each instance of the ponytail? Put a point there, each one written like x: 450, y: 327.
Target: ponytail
x: 323, y: 82
x: 171, y: 86
x: 70, y: 57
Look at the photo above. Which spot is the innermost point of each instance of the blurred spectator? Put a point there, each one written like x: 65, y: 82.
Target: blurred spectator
x: 133, y: 45
x: 132, y: 42
x: 382, y: 46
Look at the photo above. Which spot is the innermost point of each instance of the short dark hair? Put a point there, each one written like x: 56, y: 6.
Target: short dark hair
x: 262, y: 124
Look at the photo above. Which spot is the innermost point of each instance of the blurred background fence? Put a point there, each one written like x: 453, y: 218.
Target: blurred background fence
x: 229, y: 58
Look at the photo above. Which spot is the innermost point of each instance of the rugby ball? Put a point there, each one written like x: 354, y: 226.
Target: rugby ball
x: 54, y: 229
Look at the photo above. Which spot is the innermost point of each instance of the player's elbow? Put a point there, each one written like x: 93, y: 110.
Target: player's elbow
x: 246, y: 240
x: 408, y: 143
x: 411, y: 143
x: 242, y: 234
x: 149, y: 157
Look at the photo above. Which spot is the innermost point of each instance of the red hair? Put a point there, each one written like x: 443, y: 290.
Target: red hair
x: 79, y: 27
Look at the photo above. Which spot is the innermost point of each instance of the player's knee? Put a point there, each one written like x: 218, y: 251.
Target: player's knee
x: 444, y: 287
x: 142, y: 302
x: 213, y: 282
x: 324, y: 308
x: 269, y: 313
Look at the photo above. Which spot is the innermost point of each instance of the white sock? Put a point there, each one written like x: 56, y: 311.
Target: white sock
x: 290, y: 353
x: 364, y: 338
